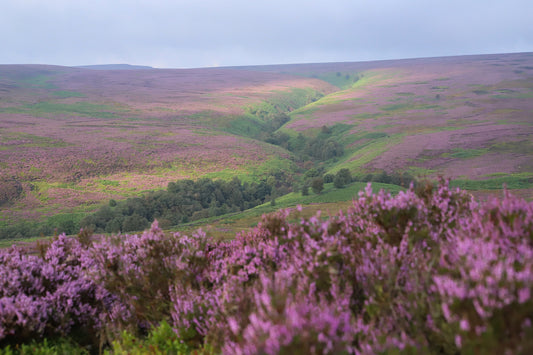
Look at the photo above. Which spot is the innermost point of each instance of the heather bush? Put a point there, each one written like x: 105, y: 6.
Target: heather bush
x: 49, y: 295
x: 140, y: 269
x: 485, y: 278
x: 427, y: 271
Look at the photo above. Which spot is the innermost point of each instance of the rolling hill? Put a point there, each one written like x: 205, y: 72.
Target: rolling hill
x: 463, y: 117
x: 74, y: 138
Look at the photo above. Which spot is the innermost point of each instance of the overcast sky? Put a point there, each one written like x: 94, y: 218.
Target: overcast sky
x: 200, y: 33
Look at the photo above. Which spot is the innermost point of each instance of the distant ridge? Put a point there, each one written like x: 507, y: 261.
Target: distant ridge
x: 114, y: 67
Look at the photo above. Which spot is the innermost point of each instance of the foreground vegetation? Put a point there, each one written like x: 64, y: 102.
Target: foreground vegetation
x: 426, y: 271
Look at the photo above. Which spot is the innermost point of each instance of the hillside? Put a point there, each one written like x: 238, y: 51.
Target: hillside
x: 462, y: 117
x: 74, y: 138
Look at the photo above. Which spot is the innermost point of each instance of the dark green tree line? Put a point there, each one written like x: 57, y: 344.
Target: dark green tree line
x: 181, y: 202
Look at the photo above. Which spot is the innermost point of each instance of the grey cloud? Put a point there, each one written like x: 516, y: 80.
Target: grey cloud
x: 199, y: 33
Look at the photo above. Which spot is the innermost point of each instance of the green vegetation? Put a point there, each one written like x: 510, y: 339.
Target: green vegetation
x: 261, y: 120
x: 342, y: 80
x: 14, y: 140
x: 330, y: 198
x: 109, y: 182
x: 61, y: 346
x: 283, y: 102
x: 510, y: 182
x: 81, y: 108
x: 41, y: 81
x: 161, y: 340
x: 404, y: 106
x: 68, y: 223
x: 183, y: 201
x: 342, y: 178
x: 365, y: 150
x: 186, y: 200
x: 459, y: 153
x: 66, y: 94
x: 517, y: 147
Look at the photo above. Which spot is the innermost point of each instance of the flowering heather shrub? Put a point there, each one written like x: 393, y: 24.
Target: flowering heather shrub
x: 139, y: 271
x: 485, y: 278
x: 426, y: 271
x: 49, y: 295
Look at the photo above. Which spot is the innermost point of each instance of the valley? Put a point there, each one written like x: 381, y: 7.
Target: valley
x: 71, y: 139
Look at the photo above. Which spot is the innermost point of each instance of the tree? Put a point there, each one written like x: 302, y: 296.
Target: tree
x: 329, y: 178
x: 134, y: 223
x: 342, y: 178
x: 317, y: 184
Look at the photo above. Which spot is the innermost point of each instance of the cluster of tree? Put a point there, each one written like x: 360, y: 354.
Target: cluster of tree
x: 68, y: 224
x: 400, y: 179
x: 181, y: 202
x: 320, y: 148
x: 315, y: 179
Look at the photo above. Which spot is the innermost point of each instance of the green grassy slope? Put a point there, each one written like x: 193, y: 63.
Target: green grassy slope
x: 466, y: 118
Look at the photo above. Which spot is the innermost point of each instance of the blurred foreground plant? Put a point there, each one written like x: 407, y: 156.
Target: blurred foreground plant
x: 424, y: 272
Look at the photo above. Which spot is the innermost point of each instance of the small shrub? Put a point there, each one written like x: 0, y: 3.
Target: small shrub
x: 161, y: 340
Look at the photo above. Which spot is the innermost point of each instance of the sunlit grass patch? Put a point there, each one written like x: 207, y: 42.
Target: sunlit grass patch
x: 367, y: 115
x: 39, y: 81
x: 512, y: 181
x: 269, y: 166
x: 81, y: 108
x: 66, y: 94
x: 341, y: 79
x: 108, y: 183
x: 520, y: 147
x: 246, y: 125
x: 408, y: 106
x: 420, y: 172
x: 368, y: 151
x: 460, y: 153
x: 15, y: 140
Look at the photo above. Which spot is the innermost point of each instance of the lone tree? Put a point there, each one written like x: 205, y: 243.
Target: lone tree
x: 342, y: 178
x: 317, y: 184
